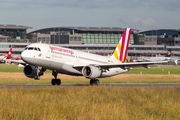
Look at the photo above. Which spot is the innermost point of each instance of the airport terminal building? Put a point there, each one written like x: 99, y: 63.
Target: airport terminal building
x: 13, y: 33
x: 79, y: 35
x: 168, y: 37
x: 103, y: 40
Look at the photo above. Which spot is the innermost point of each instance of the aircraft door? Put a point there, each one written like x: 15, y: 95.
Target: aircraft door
x: 48, y: 54
x: 77, y: 59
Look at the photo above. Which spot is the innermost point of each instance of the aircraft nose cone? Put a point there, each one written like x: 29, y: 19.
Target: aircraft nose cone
x: 24, y: 56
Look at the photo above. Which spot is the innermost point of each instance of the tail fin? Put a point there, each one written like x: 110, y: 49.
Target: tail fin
x: 168, y: 54
x: 8, y: 56
x: 121, y: 50
x: 176, y: 62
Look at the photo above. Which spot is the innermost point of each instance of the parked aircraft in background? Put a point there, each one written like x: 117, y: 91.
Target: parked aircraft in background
x: 38, y: 57
x: 165, y: 58
x: 8, y: 56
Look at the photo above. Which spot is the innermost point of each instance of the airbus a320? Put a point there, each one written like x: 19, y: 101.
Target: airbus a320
x: 38, y: 57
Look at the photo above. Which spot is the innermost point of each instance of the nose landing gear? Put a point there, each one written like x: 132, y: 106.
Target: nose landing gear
x: 40, y: 71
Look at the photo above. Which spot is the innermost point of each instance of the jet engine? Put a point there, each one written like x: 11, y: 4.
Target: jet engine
x: 91, y: 72
x: 30, y: 71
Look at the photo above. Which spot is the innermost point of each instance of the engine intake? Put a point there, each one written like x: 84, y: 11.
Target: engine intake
x: 91, y: 72
x: 30, y: 71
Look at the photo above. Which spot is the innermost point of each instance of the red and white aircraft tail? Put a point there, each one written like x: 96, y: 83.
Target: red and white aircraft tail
x: 8, y: 56
x: 121, y: 50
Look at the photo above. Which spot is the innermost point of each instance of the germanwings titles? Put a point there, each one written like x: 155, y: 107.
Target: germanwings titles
x: 38, y: 57
x: 61, y: 50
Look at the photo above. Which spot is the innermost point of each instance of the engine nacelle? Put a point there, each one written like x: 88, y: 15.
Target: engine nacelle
x: 91, y: 72
x: 30, y: 71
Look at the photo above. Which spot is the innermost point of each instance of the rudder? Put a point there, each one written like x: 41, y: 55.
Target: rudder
x: 120, y: 52
x: 9, y: 53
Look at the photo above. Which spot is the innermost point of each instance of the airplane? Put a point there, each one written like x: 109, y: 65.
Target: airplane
x: 37, y: 57
x: 167, y: 57
x: 8, y: 56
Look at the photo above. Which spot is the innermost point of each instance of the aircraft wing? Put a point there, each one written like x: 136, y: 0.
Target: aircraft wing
x: 123, y: 65
x: 16, y: 61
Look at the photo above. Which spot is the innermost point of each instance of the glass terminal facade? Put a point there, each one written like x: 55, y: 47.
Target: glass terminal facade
x: 13, y: 33
x: 162, y: 33
x: 102, y: 37
x: 160, y: 37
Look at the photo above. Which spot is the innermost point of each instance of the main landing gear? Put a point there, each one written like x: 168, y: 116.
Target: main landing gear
x: 94, y: 82
x: 55, y: 81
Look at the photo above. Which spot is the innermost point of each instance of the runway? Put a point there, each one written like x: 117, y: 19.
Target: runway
x: 105, y: 84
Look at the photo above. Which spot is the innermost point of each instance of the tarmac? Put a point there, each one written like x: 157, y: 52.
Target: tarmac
x: 106, y: 84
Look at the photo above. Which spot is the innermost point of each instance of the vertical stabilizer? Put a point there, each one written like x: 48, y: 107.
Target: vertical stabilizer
x: 8, y: 56
x: 168, y: 54
x: 120, y: 52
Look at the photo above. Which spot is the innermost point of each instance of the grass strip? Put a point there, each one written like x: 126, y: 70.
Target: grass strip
x: 90, y: 103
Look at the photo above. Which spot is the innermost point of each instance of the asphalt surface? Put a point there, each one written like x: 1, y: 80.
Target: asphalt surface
x: 107, y: 84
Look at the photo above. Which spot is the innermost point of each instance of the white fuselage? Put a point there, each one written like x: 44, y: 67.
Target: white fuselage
x: 63, y: 59
x: 157, y: 58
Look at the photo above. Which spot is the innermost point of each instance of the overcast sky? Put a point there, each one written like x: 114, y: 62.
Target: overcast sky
x: 136, y: 14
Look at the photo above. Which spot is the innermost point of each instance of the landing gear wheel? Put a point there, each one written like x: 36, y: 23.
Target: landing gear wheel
x: 94, y: 82
x: 37, y: 77
x: 58, y: 81
x: 55, y: 81
x: 91, y: 82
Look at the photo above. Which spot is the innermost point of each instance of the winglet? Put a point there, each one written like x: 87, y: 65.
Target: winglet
x: 120, y: 52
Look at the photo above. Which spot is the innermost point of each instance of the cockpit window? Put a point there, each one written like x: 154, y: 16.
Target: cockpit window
x: 39, y: 49
x: 36, y: 49
x: 26, y: 48
x: 30, y: 48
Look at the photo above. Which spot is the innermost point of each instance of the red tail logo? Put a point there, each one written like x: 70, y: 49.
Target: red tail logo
x: 8, y: 56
